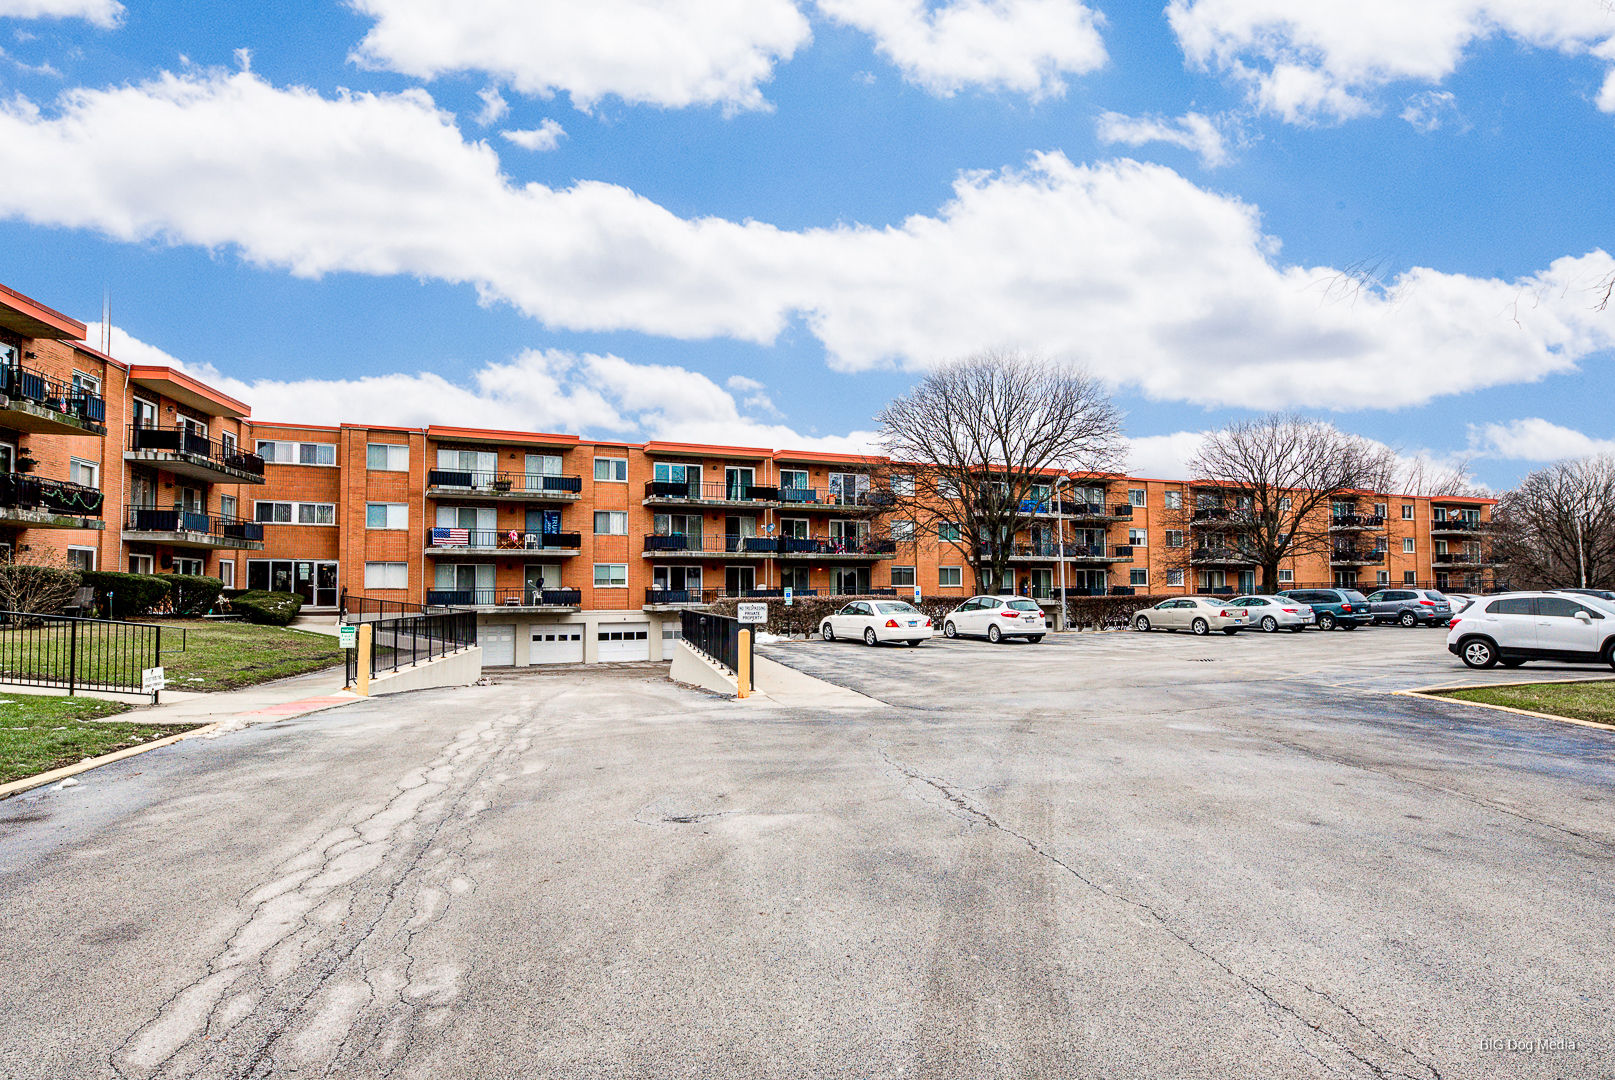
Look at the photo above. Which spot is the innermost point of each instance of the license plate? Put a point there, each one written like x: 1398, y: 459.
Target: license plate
x: 912, y: 622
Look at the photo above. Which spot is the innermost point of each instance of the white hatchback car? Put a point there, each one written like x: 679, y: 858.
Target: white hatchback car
x: 1517, y: 627
x: 1196, y: 614
x: 876, y: 621
x: 996, y: 618
x: 1274, y: 613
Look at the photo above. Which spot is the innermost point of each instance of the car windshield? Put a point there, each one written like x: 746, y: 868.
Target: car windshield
x: 898, y: 608
x: 1023, y: 605
x: 1355, y: 597
x: 1433, y: 595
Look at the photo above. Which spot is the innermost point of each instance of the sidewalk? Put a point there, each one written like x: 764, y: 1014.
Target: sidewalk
x: 235, y: 709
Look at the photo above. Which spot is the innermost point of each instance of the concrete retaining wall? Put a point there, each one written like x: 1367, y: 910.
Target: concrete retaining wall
x: 458, y: 669
x: 690, y: 666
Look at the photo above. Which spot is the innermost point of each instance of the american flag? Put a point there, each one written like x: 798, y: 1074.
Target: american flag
x: 445, y: 537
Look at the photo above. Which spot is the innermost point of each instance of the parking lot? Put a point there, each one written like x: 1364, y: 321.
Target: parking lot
x: 1105, y: 855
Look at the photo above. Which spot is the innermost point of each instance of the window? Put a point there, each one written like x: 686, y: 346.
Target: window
x: 81, y: 558
x: 1407, y: 511
x: 1138, y: 577
x: 1382, y: 577
x: 1284, y: 504
x: 87, y: 383
x: 1407, y: 544
x: 227, y: 573
x: 1382, y: 509
x: 285, y: 513
x: 87, y: 473
x: 277, y: 513
x: 316, y: 513
x: 903, y: 484
x: 949, y: 577
x: 145, y: 414
x: 544, y: 464
x: 1174, y: 578
x: 227, y: 441
x: 386, y: 516
x: 1138, y: 537
x: 227, y: 506
x: 1520, y: 605
x: 1174, y: 539
x: 386, y: 457
x: 903, y: 530
x: 903, y: 576
x: 610, y: 575
x: 293, y: 453
x: 386, y: 575
x: 795, y: 479
x: 141, y: 564
x: 1174, y: 501
x: 1409, y: 577
x: 1135, y: 496
x: 610, y: 468
x: 193, y: 567
x: 948, y: 531
x: 610, y: 523
x: 1286, y: 577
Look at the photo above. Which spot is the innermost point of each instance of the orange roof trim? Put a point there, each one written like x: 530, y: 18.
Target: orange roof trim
x: 188, y: 391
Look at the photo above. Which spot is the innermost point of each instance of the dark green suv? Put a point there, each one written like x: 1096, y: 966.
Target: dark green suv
x: 1331, y: 608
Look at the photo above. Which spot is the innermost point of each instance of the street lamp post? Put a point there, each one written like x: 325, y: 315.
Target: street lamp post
x: 1059, y: 516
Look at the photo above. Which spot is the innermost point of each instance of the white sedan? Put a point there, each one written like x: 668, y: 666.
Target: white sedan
x: 1275, y: 613
x: 996, y: 618
x: 1199, y: 615
x: 876, y: 621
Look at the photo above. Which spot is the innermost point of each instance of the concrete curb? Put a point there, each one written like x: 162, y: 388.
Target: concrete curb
x: 1437, y: 693
x: 28, y: 782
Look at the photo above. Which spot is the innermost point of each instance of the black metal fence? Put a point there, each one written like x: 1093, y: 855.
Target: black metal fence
x: 715, y: 635
x: 26, y: 492
x: 358, y: 609
x: 79, y: 654
x: 151, y: 519
x: 401, y: 642
x: 185, y: 440
x: 537, y: 485
x: 505, y: 596
x: 29, y: 385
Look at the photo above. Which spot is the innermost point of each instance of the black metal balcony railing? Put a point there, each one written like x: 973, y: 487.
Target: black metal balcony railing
x: 37, y: 387
x: 1051, y: 550
x: 1357, y: 521
x: 20, y: 491
x: 503, y: 540
x: 771, y: 545
x: 1460, y: 558
x: 680, y: 596
x: 710, y: 492
x: 504, y: 597
x: 1222, y: 555
x: 181, y: 440
x: 538, y: 485
x: 1458, y: 525
x: 151, y: 519
x: 1357, y: 555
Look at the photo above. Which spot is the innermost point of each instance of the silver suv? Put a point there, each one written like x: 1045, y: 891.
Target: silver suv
x: 1517, y: 627
x: 1410, y: 607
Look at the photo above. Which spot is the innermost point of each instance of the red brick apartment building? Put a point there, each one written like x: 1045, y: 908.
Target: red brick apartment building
x: 571, y: 549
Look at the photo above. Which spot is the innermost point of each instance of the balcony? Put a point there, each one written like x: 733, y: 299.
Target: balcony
x: 502, y: 542
x: 34, y: 402
x: 1073, y: 553
x: 1225, y: 517
x: 514, y: 486
x: 672, y: 599
x: 1222, y: 556
x: 1349, y: 556
x: 191, y: 529
x: 1458, y: 527
x: 812, y: 499
x: 1464, y: 559
x: 53, y: 504
x: 523, y: 600
x: 671, y: 493
x: 768, y: 547
x: 184, y: 453
x: 1350, y: 522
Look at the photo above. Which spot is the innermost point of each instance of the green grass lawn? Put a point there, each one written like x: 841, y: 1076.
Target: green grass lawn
x: 1593, y: 701
x: 229, y: 655
x: 38, y: 734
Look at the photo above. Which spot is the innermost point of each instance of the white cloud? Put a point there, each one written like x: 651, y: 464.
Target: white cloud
x: 1019, y: 45
x: 1323, y: 61
x: 1192, y: 131
x: 1428, y: 110
x: 657, y: 52
x: 1129, y: 268
x: 494, y: 106
x: 547, y: 136
x: 755, y: 394
x: 537, y: 390
x: 1163, y: 457
x: 1534, y: 439
x: 105, y: 13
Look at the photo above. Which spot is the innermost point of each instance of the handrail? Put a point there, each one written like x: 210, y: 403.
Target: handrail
x: 35, y: 386
x: 450, y: 539
x: 505, y: 596
x: 24, y: 491
x: 153, y: 519
x: 515, y: 483
x: 182, y: 440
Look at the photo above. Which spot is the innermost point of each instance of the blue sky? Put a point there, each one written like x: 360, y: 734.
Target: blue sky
x: 755, y: 220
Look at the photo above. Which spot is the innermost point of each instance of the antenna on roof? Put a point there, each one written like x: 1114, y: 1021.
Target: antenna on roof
x: 106, y: 321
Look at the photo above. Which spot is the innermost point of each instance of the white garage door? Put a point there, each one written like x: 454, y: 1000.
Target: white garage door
x: 556, y: 645
x: 498, y: 645
x: 624, y: 641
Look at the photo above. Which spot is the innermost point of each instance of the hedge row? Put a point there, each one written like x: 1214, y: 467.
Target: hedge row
x: 121, y: 596
x: 267, y: 608
x: 805, y: 615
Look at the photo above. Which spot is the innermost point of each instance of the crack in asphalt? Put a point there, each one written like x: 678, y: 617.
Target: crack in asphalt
x: 973, y: 813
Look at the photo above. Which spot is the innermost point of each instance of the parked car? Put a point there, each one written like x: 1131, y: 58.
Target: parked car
x: 996, y: 618
x: 1273, y: 613
x: 1197, y: 614
x: 1331, y: 608
x: 1410, y: 607
x: 1459, y: 601
x: 1602, y: 594
x: 1516, y: 628
x: 876, y: 621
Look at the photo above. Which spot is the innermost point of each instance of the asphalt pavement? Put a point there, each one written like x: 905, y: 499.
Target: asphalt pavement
x: 1105, y: 855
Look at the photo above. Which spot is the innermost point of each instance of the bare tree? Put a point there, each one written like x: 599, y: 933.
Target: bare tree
x: 1421, y: 475
x: 1558, y: 526
x: 1277, y: 477
x: 973, y: 439
x: 37, y: 583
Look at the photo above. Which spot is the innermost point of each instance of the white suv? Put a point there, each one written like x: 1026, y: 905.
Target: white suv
x: 1517, y: 627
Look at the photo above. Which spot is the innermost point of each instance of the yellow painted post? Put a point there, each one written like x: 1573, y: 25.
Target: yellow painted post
x: 744, y: 670
x: 362, y: 680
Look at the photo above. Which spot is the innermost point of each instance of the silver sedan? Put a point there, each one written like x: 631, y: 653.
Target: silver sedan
x: 1274, y: 613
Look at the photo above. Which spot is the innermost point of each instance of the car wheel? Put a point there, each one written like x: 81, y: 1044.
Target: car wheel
x: 1270, y: 625
x: 827, y: 632
x: 912, y: 642
x: 1609, y: 655
x: 949, y: 630
x: 1479, y: 653
x: 1034, y: 638
x: 869, y: 636
x: 1141, y: 623
x: 1326, y: 621
x: 993, y: 635
x: 1200, y: 627
x: 1409, y: 619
